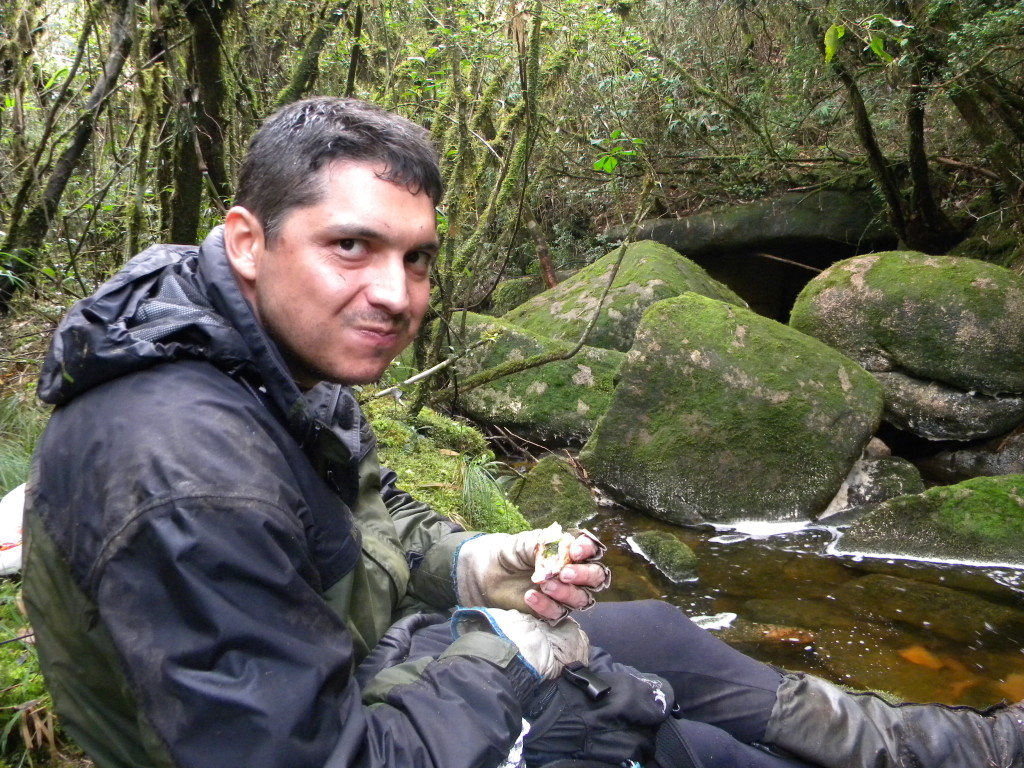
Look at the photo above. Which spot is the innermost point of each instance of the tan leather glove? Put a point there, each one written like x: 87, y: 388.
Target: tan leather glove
x: 545, y: 647
x: 495, y: 570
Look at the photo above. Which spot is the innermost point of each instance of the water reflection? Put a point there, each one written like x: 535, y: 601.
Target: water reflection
x: 925, y: 632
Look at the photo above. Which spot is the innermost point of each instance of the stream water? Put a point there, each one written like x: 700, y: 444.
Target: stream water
x: 814, y: 611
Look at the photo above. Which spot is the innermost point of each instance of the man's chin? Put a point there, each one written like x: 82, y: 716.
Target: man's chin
x: 308, y: 378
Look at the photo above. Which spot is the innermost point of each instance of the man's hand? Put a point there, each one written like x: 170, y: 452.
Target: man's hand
x: 494, y: 570
x: 545, y: 648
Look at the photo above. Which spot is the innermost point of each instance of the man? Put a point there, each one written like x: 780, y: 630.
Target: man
x: 219, y: 572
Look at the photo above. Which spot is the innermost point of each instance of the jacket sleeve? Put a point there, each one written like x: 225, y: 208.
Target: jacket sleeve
x: 430, y: 541
x: 236, y: 659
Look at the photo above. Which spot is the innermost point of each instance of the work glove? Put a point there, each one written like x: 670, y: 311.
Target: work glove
x: 496, y: 570
x: 606, y: 712
x: 546, y: 648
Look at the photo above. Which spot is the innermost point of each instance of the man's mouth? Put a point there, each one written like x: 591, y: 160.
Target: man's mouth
x: 381, y: 334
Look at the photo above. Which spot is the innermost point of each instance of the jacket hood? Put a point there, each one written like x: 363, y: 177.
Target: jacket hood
x: 175, y: 302
x: 154, y: 310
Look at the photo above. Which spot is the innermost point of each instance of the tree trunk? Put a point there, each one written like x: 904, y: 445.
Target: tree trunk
x: 18, y: 34
x: 876, y: 159
x: 353, y: 62
x: 928, y: 228
x: 187, y: 177
x: 25, y: 243
x: 199, y: 139
x: 308, y: 67
x: 207, y: 73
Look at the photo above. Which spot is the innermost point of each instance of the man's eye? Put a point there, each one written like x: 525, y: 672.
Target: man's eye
x: 420, y: 259
x: 351, y: 247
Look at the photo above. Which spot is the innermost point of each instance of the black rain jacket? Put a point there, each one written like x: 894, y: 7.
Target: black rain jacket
x: 210, y: 552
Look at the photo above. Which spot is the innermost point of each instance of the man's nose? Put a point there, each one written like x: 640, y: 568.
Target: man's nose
x: 386, y: 287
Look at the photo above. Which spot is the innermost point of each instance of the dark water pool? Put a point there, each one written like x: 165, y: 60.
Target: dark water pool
x: 926, y: 632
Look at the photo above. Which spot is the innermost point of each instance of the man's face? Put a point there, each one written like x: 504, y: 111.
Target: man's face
x: 343, y: 288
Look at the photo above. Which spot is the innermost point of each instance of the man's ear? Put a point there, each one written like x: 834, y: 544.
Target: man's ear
x: 244, y: 244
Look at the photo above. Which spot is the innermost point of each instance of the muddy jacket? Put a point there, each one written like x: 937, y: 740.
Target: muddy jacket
x: 211, y: 552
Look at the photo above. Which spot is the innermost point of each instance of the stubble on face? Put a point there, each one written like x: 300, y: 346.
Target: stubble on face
x: 307, y: 373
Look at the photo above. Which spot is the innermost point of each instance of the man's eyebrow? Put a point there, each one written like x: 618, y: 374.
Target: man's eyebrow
x: 363, y: 232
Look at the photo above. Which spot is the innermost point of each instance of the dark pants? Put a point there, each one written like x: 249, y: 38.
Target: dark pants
x: 724, y: 697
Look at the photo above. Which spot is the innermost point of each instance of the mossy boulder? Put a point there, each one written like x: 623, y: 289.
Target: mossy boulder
x: 724, y: 415
x: 992, y: 239
x: 978, y: 520
x: 556, y: 403
x: 512, y: 292
x: 872, y: 481
x: 666, y: 552
x: 552, y: 493
x: 940, y: 318
x: 649, y: 272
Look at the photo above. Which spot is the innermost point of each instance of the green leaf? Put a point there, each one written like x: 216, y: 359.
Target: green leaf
x: 832, y: 37
x: 60, y: 74
x: 606, y: 164
x: 878, y: 46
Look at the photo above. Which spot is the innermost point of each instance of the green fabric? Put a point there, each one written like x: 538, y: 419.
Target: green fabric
x: 381, y: 588
x: 82, y: 664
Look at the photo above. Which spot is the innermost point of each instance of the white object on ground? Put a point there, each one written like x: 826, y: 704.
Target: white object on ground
x: 12, y: 506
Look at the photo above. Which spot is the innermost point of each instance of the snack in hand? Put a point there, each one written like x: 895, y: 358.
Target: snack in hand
x: 552, y: 553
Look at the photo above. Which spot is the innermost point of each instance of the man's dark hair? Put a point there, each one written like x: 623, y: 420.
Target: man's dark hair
x: 280, y: 169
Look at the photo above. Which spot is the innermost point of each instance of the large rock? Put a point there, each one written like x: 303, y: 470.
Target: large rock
x: 724, y: 415
x: 938, y: 412
x: 649, y: 272
x: 940, y: 318
x: 825, y: 219
x: 668, y: 553
x: 513, y: 291
x: 1002, y: 455
x: 559, y: 402
x: 552, y: 493
x: 979, y: 520
x: 872, y: 480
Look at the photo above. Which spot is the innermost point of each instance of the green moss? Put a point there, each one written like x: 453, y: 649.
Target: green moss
x: 954, y: 320
x: 649, y: 272
x: 722, y: 414
x: 981, y: 519
x: 551, y: 493
x: 511, y: 293
x: 991, y: 240
x: 559, y: 402
x: 989, y: 511
x: 668, y: 553
x: 438, y: 460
